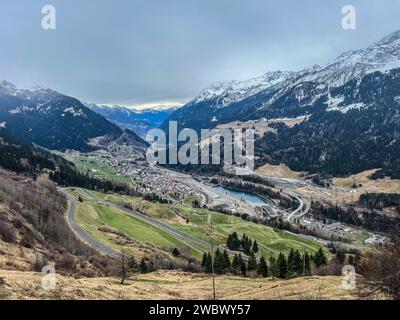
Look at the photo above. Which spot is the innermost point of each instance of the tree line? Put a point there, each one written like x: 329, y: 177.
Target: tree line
x: 284, y: 267
x: 246, y: 244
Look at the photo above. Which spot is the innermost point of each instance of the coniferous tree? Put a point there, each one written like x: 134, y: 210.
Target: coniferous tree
x: 262, y: 268
x: 218, y: 267
x: 291, y: 265
x: 255, y: 247
x: 307, y: 264
x: 204, y: 261
x: 235, y: 241
x: 229, y: 242
x: 236, y: 264
x: 246, y: 244
x: 274, y: 271
x: 228, y: 263
x: 282, y: 266
x: 320, y: 258
x: 243, y: 267
x: 252, y: 263
x: 218, y: 262
x: 208, y: 263
x: 298, y: 263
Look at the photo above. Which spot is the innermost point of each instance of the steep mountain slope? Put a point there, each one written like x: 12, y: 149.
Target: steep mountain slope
x: 22, y: 157
x: 356, y: 128
x: 218, y: 103
x: 289, y: 94
x: 140, y: 121
x: 33, y: 230
x: 53, y: 120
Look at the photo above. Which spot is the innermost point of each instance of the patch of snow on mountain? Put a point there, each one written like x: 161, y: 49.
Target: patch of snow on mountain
x: 75, y: 113
x: 345, y: 109
x: 334, y: 102
x: 22, y: 109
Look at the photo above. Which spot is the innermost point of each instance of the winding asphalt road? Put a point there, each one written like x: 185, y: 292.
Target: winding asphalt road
x: 82, y: 234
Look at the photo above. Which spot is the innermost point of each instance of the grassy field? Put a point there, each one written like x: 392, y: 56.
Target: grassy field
x: 98, y: 169
x: 270, y: 241
x: 194, y: 221
x: 141, y: 238
x: 385, y: 185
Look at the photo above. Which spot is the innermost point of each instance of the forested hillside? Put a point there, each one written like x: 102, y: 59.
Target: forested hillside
x: 340, y: 143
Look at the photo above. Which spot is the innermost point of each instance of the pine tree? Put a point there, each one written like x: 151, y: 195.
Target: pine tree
x: 262, y: 268
x: 228, y: 263
x: 282, y: 266
x: 273, y: 267
x: 246, y: 244
x: 235, y: 242
x: 255, y: 247
x: 229, y: 242
x: 243, y: 267
x: 291, y: 265
x: 307, y: 264
x: 320, y: 258
x: 208, y: 263
x: 204, y: 260
x: 236, y: 263
x: 218, y: 262
x: 298, y: 263
x: 252, y: 263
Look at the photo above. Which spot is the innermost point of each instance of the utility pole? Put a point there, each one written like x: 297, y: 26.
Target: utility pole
x: 212, y: 255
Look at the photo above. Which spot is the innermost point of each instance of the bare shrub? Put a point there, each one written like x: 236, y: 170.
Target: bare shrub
x: 7, y: 232
x: 27, y: 240
x: 65, y: 261
x: 380, y: 270
x: 40, y: 262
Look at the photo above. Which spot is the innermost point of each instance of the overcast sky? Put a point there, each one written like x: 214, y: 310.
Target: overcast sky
x: 151, y: 51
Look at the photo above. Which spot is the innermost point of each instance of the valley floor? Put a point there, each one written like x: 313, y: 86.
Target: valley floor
x: 172, y: 285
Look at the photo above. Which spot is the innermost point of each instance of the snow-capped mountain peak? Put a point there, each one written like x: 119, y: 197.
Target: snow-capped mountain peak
x: 7, y: 88
x: 36, y: 93
x: 232, y: 91
x: 381, y: 56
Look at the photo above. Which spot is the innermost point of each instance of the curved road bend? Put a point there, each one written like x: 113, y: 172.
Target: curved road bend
x: 82, y: 234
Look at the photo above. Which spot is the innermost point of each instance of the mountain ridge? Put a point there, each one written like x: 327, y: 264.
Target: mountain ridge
x: 53, y: 120
x: 140, y: 121
x: 292, y: 95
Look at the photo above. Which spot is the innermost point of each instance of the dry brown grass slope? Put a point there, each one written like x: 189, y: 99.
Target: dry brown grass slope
x: 172, y: 285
